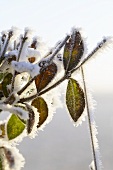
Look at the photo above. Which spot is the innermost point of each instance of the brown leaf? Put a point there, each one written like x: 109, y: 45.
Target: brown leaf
x: 45, y: 77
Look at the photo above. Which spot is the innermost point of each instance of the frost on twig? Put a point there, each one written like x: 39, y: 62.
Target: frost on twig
x: 32, y: 69
x: 90, y: 103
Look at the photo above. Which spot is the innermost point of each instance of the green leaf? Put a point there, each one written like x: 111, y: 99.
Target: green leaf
x: 42, y: 108
x: 7, y: 80
x: 45, y: 77
x: 14, y: 127
x: 73, y: 51
x: 75, y: 100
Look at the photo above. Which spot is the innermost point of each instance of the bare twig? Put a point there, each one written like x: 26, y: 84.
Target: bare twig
x: 19, y: 54
x: 99, y: 46
x: 10, y: 34
x: 51, y: 57
x: 89, y: 120
x: 43, y: 92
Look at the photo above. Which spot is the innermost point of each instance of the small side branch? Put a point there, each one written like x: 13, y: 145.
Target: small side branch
x: 59, y: 47
x: 43, y: 92
x: 19, y: 54
x: 10, y: 34
x: 99, y: 46
x: 51, y: 57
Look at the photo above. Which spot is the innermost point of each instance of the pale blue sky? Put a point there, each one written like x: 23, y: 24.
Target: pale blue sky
x: 52, y: 19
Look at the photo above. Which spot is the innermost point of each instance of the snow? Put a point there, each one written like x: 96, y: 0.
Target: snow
x: 32, y: 69
x: 16, y: 110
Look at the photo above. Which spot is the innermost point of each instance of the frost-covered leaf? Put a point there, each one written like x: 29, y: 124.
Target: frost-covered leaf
x: 31, y: 119
x: 42, y: 108
x: 45, y: 77
x: 7, y: 80
x: 2, y: 130
x: 73, y: 51
x: 14, y: 127
x: 75, y: 99
x: 10, y: 158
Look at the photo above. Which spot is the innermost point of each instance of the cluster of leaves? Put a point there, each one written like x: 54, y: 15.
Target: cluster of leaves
x: 73, y: 51
x: 24, y: 79
x: 11, y: 99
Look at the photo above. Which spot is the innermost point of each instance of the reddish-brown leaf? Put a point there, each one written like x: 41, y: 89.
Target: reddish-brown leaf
x: 45, y: 77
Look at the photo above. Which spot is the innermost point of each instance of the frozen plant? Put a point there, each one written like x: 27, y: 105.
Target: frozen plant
x: 29, y: 73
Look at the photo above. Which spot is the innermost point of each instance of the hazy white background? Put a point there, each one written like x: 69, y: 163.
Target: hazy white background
x: 62, y: 146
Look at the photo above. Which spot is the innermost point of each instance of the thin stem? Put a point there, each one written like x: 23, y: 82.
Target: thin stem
x: 44, y: 91
x: 5, y: 46
x: 51, y: 50
x: 19, y: 53
x: 100, y: 45
x: 22, y: 44
x: 59, y: 47
x: 51, y: 57
x: 89, y: 120
x: 28, y: 84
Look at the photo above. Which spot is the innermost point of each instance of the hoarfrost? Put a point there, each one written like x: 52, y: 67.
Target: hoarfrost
x: 32, y: 69
x: 16, y: 110
x: 91, y: 166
